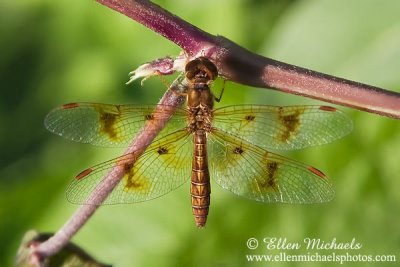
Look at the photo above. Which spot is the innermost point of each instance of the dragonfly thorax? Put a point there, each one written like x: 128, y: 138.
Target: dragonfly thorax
x: 200, y: 98
x: 200, y: 73
x: 200, y: 119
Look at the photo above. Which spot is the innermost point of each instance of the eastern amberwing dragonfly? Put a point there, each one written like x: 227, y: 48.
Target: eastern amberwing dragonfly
x: 230, y: 144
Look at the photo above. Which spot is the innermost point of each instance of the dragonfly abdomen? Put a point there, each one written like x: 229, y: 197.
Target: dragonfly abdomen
x: 200, y: 183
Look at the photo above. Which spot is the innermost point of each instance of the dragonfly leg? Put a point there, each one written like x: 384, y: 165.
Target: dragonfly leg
x: 218, y: 99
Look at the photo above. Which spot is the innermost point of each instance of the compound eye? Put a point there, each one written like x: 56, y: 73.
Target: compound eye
x: 201, y: 64
x: 192, y: 65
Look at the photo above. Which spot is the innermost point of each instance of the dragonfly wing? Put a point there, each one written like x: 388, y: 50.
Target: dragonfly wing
x: 257, y: 174
x: 164, y: 166
x: 108, y: 125
x: 283, y: 128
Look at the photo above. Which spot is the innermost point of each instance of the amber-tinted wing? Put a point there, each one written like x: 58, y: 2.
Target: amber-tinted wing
x: 282, y: 128
x: 108, y: 125
x: 164, y: 166
x: 252, y: 172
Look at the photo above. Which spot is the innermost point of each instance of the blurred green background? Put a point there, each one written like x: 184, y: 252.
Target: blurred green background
x: 55, y: 52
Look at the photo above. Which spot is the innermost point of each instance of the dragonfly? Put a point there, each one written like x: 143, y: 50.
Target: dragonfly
x: 232, y: 144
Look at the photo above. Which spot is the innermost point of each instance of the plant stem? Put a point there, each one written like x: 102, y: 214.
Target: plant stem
x: 184, y: 34
x: 240, y: 65
x: 243, y: 66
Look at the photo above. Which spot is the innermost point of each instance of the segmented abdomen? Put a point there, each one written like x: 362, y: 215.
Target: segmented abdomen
x: 200, y: 182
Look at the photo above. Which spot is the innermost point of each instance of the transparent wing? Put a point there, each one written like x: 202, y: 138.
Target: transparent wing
x: 283, y: 128
x: 108, y: 125
x: 164, y: 166
x: 257, y: 174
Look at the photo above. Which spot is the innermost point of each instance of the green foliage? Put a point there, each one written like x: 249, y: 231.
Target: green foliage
x: 55, y: 52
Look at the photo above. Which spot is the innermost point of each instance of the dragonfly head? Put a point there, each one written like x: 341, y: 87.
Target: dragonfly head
x: 201, y: 70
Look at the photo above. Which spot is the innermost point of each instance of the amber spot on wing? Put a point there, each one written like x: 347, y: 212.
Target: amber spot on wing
x: 290, y: 121
x: 327, y: 108
x: 108, y: 121
x: 70, y: 105
x: 317, y: 172
x: 269, y: 182
x: 83, y: 174
x: 133, y: 183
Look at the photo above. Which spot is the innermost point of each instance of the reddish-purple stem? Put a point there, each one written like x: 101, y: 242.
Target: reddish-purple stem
x: 245, y: 67
x: 240, y: 65
x: 184, y: 34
